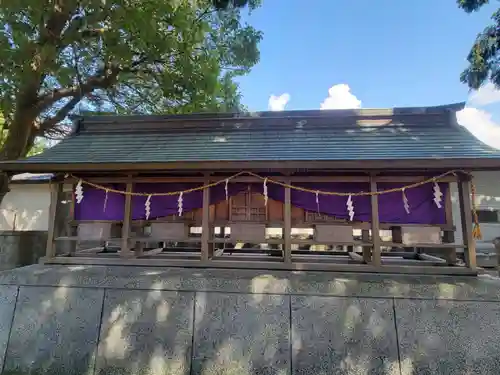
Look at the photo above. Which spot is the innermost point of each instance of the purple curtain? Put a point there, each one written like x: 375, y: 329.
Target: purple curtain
x: 423, y: 210
x: 162, y: 206
x: 92, y: 205
x: 391, y: 209
x: 331, y: 204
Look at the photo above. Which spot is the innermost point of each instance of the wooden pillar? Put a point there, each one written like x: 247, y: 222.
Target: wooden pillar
x: 287, y: 230
x: 55, y: 195
x: 466, y: 218
x: 127, y: 218
x: 397, y: 234
x: 205, y: 226
x: 367, y: 250
x: 450, y: 255
x: 376, y: 252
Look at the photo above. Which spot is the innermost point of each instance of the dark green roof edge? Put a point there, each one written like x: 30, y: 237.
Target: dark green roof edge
x: 454, y: 107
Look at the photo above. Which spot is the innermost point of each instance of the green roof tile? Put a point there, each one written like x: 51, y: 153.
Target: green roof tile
x: 292, y: 136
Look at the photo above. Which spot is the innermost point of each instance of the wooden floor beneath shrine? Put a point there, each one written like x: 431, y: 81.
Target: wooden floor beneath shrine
x: 424, y: 261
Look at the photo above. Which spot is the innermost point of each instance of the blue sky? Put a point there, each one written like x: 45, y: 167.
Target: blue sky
x: 384, y: 53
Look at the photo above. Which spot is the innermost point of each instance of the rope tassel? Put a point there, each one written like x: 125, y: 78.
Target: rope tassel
x: 79, y: 191
x: 438, y: 195
x: 350, y: 208
x: 265, y: 192
x: 147, y: 207
x: 406, y: 204
x: 180, y: 204
x: 476, y: 228
x: 105, y: 201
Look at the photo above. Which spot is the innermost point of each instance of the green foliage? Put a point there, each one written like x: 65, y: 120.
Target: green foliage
x: 123, y: 56
x: 484, y: 57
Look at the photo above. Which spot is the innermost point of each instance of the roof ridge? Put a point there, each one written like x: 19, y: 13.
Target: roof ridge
x: 310, y: 113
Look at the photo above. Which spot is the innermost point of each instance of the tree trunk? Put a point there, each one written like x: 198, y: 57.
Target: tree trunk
x: 4, y: 185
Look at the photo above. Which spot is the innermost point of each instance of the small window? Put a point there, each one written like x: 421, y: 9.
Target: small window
x: 488, y: 216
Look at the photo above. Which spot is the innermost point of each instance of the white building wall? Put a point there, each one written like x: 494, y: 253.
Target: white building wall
x: 487, y: 198
x: 25, y: 208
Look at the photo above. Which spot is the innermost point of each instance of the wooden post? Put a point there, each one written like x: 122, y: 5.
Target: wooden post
x: 376, y: 252
x: 287, y: 230
x: 127, y: 216
x: 55, y: 194
x: 450, y: 255
x: 205, y: 226
x: 367, y: 250
x: 466, y: 218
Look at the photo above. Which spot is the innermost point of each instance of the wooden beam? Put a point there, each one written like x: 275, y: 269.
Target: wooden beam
x: 437, y: 165
x: 466, y: 218
x: 449, y: 235
x: 376, y: 252
x: 287, y: 229
x: 414, y: 269
x: 367, y: 250
x: 127, y: 217
x: 205, y: 226
x: 55, y: 194
x: 250, y: 179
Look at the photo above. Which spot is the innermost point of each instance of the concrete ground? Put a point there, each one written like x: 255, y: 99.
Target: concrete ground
x: 152, y: 321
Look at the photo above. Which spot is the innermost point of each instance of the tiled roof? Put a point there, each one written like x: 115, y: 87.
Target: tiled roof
x: 409, y: 134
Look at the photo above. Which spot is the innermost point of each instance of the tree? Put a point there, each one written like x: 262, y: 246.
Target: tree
x: 126, y: 56
x: 484, y: 56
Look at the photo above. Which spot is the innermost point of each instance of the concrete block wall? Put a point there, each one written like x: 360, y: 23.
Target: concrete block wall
x: 21, y: 248
x: 101, y: 321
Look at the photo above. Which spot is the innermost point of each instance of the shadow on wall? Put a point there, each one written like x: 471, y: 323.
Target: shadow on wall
x: 13, y: 219
x: 247, y: 323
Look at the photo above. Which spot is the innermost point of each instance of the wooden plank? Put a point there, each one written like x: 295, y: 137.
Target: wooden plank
x: 429, y: 257
x: 426, y: 245
x: 231, y: 241
x: 376, y: 252
x: 464, y: 199
x: 94, y: 250
x: 205, y: 225
x: 159, y: 239
x: 356, y: 257
x: 237, y: 264
x: 127, y: 216
x: 287, y: 230
x: 299, y: 242
x: 151, y: 252
x: 334, y: 243
x: 55, y: 193
x: 301, y: 224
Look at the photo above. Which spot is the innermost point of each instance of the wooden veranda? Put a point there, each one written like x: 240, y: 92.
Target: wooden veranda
x: 136, y: 244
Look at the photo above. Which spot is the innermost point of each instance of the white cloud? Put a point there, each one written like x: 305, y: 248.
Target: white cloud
x: 278, y: 103
x: 479, y: 121
x: 481, y: 125
x: 340, y: 97
x: 485, y: 95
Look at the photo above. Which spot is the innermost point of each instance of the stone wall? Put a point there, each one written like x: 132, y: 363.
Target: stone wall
x: 21, y: 248
x: 156, y: 321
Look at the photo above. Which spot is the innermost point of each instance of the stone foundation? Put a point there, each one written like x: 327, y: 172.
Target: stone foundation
x: 130, y: 320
